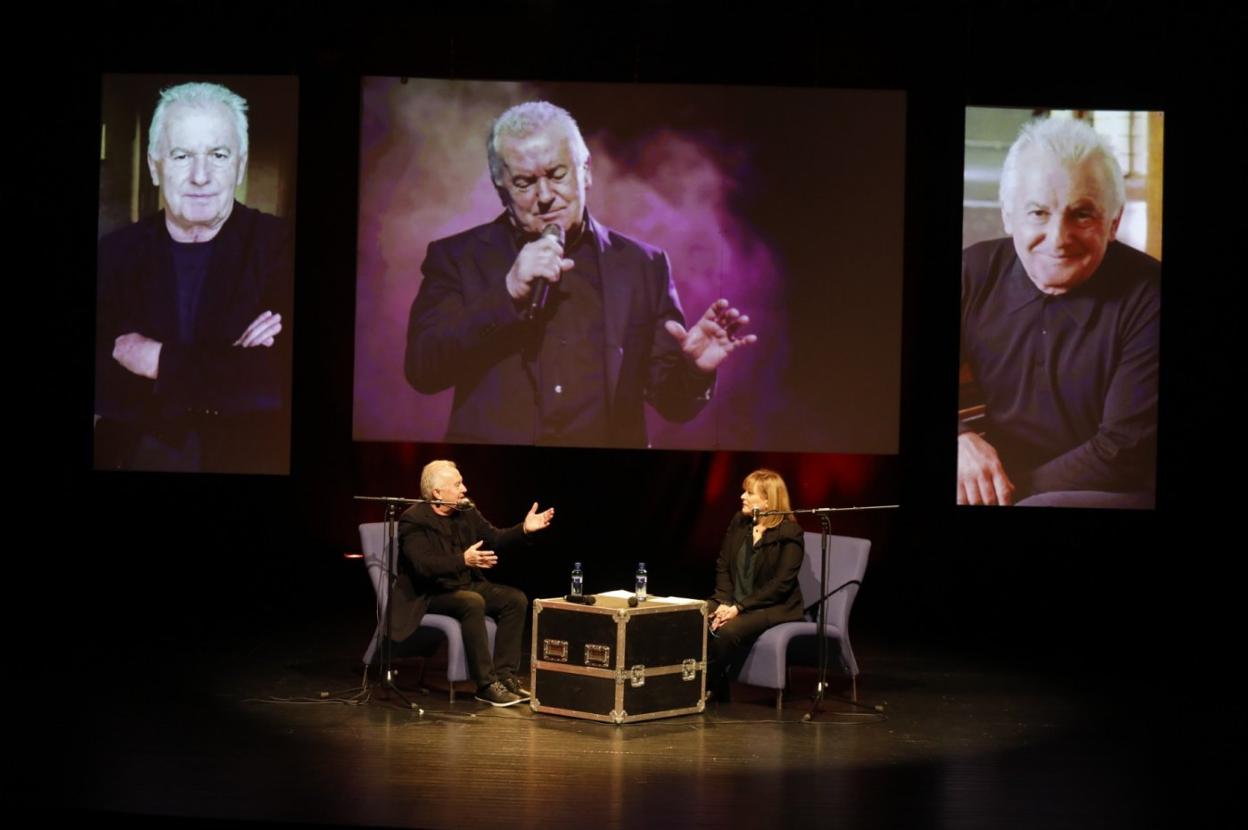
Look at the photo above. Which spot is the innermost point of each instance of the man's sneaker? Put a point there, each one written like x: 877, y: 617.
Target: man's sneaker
x: 514, y: 686
x: 496, y: 694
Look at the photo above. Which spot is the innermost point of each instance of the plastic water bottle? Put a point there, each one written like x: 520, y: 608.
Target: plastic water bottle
x: 642, y: 579
x: 578, y: 580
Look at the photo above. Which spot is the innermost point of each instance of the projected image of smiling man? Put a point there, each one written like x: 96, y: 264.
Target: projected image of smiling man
x: 1061, y: 214
x: 1059, y: 328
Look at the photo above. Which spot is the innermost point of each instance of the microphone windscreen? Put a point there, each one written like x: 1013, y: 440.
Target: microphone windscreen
x: 554, y: 231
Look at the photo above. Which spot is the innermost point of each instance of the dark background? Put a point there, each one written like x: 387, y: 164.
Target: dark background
x: 130, y: 571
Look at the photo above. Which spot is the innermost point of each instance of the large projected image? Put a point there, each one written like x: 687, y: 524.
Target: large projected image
x: 1061, y: 304
x: 722, y: 265
x: 195, y: 274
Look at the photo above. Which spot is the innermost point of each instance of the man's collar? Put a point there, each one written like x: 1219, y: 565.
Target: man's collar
x: 1021, y: 292
x: 162, y: 218
x: 596, y: 232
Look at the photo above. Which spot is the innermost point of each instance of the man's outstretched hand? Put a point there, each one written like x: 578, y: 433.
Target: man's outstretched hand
x: 535, y: 521
x: 710, y: 340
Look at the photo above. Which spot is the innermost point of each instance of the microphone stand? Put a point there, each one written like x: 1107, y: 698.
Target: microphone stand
x: 821, y: 643
x: 386, y: 670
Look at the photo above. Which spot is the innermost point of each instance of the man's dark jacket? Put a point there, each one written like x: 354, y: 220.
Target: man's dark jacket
x: 465, y: 331
x: 236, y: 397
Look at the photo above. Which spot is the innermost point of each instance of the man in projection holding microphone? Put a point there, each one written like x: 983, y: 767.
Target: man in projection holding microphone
x: 552, y: 328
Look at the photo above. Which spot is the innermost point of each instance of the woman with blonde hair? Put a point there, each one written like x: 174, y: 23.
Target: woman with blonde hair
x: 755, y: 577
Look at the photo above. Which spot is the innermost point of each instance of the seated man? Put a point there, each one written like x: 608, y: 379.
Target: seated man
x: 1059, y: 328
x: 446, y: 545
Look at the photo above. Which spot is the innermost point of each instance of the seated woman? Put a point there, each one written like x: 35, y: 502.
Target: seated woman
x: 755, y: 577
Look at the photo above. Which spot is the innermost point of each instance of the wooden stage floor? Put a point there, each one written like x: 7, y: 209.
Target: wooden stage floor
x: 203, y: 736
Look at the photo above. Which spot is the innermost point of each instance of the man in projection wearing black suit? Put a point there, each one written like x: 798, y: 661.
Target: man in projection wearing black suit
x: 576, y: 368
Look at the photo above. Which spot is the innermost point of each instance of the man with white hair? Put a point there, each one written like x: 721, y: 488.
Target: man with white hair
x: 446, y: 546
x: 575, y: 368
x: 1059, y: 328
x: 191, y: 361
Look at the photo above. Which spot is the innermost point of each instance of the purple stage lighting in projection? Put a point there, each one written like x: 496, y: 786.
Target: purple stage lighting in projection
x: 787, y: 203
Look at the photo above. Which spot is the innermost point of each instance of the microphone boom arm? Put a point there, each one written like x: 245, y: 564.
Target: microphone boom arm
x: 821, y: 511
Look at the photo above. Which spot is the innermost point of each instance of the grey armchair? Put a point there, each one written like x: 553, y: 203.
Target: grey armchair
x: 372, y: 538
x: 767, y: 664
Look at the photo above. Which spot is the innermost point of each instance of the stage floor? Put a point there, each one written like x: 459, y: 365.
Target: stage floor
x: 178, y: 730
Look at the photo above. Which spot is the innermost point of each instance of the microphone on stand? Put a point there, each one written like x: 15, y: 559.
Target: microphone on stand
x: 540, y: 286
x: 755, y: 513
x: 462, y: 504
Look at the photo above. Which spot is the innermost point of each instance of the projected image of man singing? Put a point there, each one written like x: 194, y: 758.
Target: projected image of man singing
x: 552, y: 328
